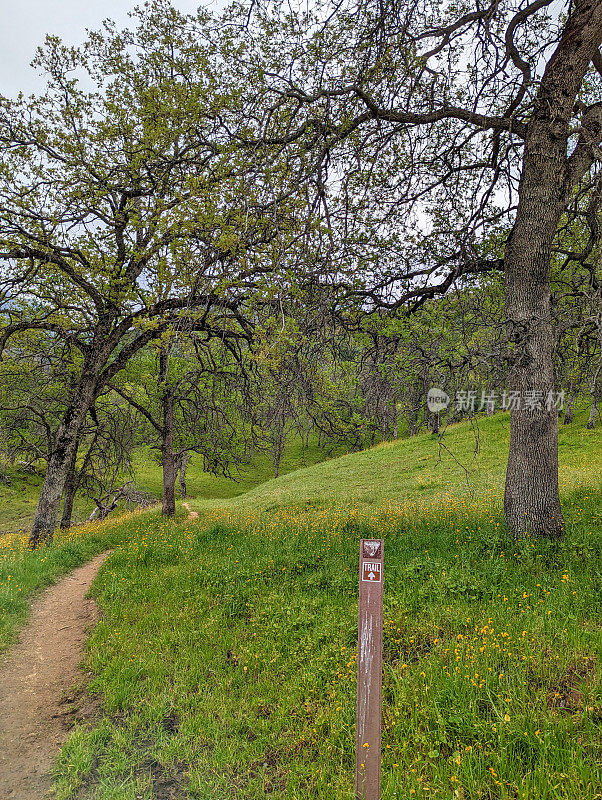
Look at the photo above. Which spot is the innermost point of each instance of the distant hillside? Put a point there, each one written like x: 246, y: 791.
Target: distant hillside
x: 468, y: 461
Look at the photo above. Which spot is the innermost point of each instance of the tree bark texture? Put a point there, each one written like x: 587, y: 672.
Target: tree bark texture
x: 532, y: 502
x: 70, y: 489
x: 58, y: 463
x: 167, y: 441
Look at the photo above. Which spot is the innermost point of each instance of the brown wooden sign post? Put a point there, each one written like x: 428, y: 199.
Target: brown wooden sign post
x: 369, y: 671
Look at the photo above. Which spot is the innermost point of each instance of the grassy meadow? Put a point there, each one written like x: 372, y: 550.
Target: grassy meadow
x: 224, y: 662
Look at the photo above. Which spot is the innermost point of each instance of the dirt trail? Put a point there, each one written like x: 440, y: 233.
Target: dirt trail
x: 191, y: 514
x: 35, y: 675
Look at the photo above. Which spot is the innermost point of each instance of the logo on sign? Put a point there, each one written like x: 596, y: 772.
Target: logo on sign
x: 372, y: 548
x: 371, y: 571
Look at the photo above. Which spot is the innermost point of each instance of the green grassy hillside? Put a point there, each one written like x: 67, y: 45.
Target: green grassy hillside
x: 466, y: 465
x: 225, y: 657
x: 204, y: 486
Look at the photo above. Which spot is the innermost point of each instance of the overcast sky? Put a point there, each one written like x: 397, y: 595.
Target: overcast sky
x: 25, y: 23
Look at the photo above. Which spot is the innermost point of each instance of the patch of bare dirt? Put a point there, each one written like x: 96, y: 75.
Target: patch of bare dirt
x: 38, y: 704
x: 568, y: 691
x: 191, y: 514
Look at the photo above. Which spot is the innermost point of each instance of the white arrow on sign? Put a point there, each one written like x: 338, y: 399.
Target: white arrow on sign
x: 371, y: 572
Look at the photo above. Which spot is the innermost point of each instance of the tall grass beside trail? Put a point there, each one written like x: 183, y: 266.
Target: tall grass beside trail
x: 24, y: 572
x: 226, y: 659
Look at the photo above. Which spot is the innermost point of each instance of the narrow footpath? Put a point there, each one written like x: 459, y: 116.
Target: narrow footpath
x: 35, y: 678
x: 191, y: 514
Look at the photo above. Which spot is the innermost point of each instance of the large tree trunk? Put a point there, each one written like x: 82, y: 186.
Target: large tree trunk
x: 167, y: 442
x: 532, y: 501
x: 57, y: 469
x: 52, y: 489
x: 74, y: 479
x: 70, y: 490
x: 169, y: 477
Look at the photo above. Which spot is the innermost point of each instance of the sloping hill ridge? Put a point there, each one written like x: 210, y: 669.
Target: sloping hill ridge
x: 467, y: 461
